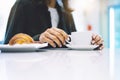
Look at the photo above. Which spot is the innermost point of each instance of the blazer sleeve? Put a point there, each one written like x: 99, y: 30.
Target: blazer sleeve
x: 16, y: 21
x: 24, y: 16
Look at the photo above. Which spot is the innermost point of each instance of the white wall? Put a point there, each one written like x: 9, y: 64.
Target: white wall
x: 86, y: 13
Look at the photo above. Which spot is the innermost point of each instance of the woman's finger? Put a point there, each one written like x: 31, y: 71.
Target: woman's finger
x: 63, y: 33
x: 95, y: 39
x: 99, y: 42
x: 57, y: 35
x: 54, y: 36
x: 54, y: 39
x: 44, y: 39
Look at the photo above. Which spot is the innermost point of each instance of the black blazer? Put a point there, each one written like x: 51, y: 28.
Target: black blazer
x: 33, y: 18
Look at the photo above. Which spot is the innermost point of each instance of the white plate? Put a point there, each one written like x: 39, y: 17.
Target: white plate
x: 82, y: 47
x: 22, y: 47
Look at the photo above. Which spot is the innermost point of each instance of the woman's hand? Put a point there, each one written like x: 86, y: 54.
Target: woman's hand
x: 54, y: 36
x: 97, y: 40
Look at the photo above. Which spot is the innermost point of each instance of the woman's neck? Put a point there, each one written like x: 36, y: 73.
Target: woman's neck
x: 52, y: 3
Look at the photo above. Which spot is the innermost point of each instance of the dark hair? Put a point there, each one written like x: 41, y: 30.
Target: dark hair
x: 65, y: 4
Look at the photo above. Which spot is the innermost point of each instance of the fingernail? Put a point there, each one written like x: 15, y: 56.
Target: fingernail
x: 54, y: 46
x: 93, y: 42
x: 94, y: 36
x: 68, y: 39
x: 101, y: 48
x: 64, y: 43
x: 60, y: 45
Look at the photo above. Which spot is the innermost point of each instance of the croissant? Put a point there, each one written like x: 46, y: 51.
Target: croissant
x: 21, y: 38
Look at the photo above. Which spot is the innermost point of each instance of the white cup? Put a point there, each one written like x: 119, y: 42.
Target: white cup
x: 81, y: 38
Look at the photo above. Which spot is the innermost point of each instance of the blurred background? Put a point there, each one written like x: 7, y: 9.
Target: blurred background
x: 99, y: 16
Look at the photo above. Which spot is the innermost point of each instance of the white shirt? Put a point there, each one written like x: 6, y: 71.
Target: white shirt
x: 54, y: 16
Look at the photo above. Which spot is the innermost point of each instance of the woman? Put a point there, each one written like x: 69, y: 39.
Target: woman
x: 45, y: 20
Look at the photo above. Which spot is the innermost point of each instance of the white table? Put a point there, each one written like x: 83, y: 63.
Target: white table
x: 117, y: 64
x: 55, y: 65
